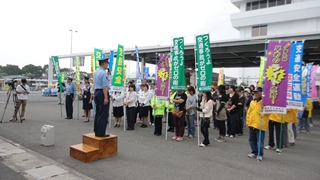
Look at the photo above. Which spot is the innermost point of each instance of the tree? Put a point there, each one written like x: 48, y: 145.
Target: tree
x: 32, y: 71
x: 45, y: 69
x: 11, y: 69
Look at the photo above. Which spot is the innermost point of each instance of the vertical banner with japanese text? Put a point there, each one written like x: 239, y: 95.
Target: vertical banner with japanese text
x: 146, y: 73
x: 78, y: 74
x: 294, y: 89
x: 125, y: 72
x: 309, y: 69
x: 111, y: 58
x: 138, y: 65
x: 277, y: 66
x: 221, y: 77
x: 204, y: 61
x: 97, y: 56
x: 162, y: 91
x: 118, y: 75
x: 261, y: 70
x: 178, y: 82
x: 55, y: 63
x: 314, y: 92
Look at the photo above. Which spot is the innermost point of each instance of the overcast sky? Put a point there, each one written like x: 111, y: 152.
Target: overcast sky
x: 33, y: 30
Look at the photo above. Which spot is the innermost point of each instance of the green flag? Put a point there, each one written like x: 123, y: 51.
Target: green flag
x: 204, y: 61
x: 178, y: 79
x: 118, y: 74
x: 55, y: 62
x: 97, y: 56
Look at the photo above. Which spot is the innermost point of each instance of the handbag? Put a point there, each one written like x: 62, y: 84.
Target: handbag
x: 176, y: 113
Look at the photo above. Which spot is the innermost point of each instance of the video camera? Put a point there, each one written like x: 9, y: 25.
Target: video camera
x: 11, y: 83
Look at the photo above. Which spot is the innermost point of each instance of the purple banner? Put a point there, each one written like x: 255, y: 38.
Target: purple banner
x: 163, y: 75
x: 275, y: 84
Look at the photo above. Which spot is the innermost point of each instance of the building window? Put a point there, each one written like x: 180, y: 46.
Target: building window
x: 259, y: 31
x: 265, y: 4
x: 281, y: 2
x: 248, y: 8
x: 255, y: 5
x: 272, y: 3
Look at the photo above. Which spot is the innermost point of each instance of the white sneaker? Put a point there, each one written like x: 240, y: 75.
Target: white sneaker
x: 251, y: 155
x: 174, y: 138
x: 190, y: 136
x: 259, y: 158
x: 227, y: 135
x: 202, y: 145
x: 186, y: 135
x: 278, y: 150
x: 311, y: 125
x: 152, y: 124
x: 179, y: 139
x: 231, y: 136
x: 269, y: 147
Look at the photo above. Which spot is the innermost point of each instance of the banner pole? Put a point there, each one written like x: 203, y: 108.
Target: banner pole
x: 261, y: 110
x: 155, y: 101
x: 196, y: 84
x: 280, y: 142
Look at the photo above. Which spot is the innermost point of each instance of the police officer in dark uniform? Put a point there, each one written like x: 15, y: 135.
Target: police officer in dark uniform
x: 101, y: 99
x: 71, y: 95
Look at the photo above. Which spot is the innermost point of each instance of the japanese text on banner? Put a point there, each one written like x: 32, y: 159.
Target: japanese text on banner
x: 261, y: 71
x: 97, y: 57
x: 118, y: 75
x: 78, y: 74
x: 178, y: 82
x: 314, y: 92
x: 294, y: 95
x: 162, y: 91
x: 204, y: 62
x: 55, y: 63
x: 277, y: 66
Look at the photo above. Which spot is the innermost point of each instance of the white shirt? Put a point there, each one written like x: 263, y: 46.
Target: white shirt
x: 206, y: 109
x: 85, y: 89
x: 24, y: 95
x: 118, y: 99
x: 145, y: 98
x: 131, y: 97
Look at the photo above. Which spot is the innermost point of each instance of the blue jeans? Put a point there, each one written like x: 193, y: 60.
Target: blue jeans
x: 304, y: 122
x: 244, y: 119
x: 254, y: 141
x: 191, y: 126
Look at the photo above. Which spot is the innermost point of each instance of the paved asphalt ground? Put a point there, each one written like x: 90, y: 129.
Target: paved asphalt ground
x: 142, y: 155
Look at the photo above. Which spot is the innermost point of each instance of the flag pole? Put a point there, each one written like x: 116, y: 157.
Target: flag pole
x: 261, y: 110
x: 155, y: 101
x: 195, y: 67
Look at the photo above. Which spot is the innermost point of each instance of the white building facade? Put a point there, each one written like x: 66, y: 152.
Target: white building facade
x: 272, y: 18
x: 276, y: 17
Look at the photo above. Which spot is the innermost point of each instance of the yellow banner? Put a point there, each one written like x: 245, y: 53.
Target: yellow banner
x: 221, y: 77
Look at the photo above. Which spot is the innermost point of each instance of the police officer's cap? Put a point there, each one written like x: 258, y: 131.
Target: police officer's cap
x: 86, y: 78
x: 69, y: 77
x: 104, y: 60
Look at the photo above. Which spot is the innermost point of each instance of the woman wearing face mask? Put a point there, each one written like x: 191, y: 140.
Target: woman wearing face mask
x: 205, y: 114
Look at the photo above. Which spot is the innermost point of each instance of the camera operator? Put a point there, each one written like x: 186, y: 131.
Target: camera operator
x: 22, y: 91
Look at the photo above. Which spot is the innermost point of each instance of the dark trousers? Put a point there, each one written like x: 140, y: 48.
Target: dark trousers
x: 215, y: 122
x: 158, y: 125
x: 274, y: 126
x: 151, y: 116
x: 102, y: 113
x: 179, y: 125
x: 170, y: 121
x: 204, y: 130
x: 285, y: 134
x: 254, y: 141
x: 222, y: 127
x: 131, y: 116
x: 69, y: 106
x: 232, y: 124
x: 239, y: 123
x: 136, y: 114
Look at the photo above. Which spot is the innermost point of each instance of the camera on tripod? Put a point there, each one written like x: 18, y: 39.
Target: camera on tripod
x: 11, y: 83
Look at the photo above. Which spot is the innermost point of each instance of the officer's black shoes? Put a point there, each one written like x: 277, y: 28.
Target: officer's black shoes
x: 106, y: 135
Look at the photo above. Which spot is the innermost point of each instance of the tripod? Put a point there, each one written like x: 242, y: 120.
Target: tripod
x: 12, y: 91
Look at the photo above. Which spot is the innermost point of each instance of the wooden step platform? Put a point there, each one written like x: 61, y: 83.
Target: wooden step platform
x: 94, y: 148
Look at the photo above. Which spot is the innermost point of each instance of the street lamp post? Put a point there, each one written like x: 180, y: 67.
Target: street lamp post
x: 71, y: 50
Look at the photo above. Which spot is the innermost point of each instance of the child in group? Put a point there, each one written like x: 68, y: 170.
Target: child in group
x: 254, y: 125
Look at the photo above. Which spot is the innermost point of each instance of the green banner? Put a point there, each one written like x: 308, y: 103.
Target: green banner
x: 118, y: 75
x: 178, y: 78
x: 261, y: 71
x: 97, y: 56
x: 204, y: 61
x: 56, y: 67
x: 77, y: 70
